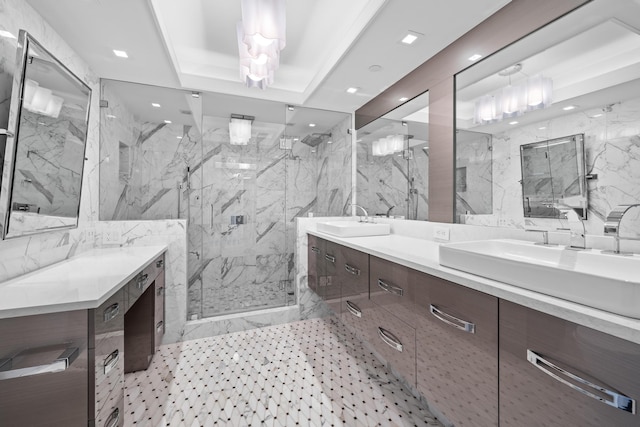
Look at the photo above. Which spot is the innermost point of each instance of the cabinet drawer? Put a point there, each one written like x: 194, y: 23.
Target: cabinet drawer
x: 112, y: 414
x: 457, y: 351
x: 355, y: 313
x: 109, y: 317
x: 136, y: 287
x: 108, y: 368
x: 394, y: 339
x: 44, y: 399
x: 532, y: 343
x: 329, y: 285
x: 353, y: 272
x: 390, y: 287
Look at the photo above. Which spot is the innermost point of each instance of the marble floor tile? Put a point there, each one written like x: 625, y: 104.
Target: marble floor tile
x: 312, y: 372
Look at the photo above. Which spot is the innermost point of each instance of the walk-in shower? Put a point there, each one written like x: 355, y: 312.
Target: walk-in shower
x: 240, y: 201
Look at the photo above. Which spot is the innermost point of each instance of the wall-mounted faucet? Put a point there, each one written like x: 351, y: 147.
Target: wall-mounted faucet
x: 389, y: 211
x: 612, y: 227
x: 364, y: 211
x: 577, y: 233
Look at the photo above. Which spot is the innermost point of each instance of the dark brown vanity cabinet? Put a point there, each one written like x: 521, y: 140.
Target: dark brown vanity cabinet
x: 457, y: 350
x: 353, y: 276
x: 44, y: 367
x: 323, y: 261
x: 556, y: 373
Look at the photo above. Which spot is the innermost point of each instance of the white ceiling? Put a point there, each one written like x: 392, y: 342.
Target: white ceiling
x: 331, y: 44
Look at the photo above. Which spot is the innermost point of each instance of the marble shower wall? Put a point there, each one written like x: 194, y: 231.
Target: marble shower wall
x: 473, y: 173
x: 612, y: 144
x: 25, y: 254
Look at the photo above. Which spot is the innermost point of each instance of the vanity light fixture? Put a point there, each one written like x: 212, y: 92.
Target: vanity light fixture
x: 261, y: 36
x: 391, y: 144
x: 240, y: 129
x: 155, y: 105
x: 475, y: 57
x: 120, y: 53
x: 352, y: 90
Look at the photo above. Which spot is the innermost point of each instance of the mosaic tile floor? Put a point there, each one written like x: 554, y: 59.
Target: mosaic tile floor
x: 312, y: 372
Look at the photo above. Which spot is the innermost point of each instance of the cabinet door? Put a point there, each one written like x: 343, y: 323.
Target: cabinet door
x: 330, y: 286
x: 353, y: 272
x: 557, y: 373
x: 457, y: 349
x: 313, y: 259
x: 390, y: 288
x: 44, y: 370
x: 394, y: 340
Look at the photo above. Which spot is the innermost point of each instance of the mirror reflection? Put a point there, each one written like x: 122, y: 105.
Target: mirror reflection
x: 49, y: 110
x: 571, y: 77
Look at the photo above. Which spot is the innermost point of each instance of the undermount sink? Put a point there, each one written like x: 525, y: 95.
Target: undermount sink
x: 354, y: 228
x: 589, y: 277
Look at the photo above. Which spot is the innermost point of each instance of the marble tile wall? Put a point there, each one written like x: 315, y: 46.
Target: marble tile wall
x: 612, y: 144
x: 473, y: 173
x: 22, y: 255
x: 173, y: 234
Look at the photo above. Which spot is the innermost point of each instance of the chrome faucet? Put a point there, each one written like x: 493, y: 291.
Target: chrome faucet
x: 612, y: 227
x: 577, y: 233
x: 545, y: 237
x: 364, y: 211
x: 389, y: 210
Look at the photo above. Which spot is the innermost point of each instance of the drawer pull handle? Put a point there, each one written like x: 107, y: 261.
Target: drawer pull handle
x: 159, y: 326
x: 61, y: 363
x: 330, y: 258
x: 452, y: 320
x: 142, y: 280
x: 160, y: 263
x: 315, y: 249
x: 353, y: 309
x: 111, y: 312
x: 114, y: 419
x: 390, y: 339
x: 353, y: 270
x: 396, y: 290
x: 160, y: 290
x: 619, y: 401
x: 111, y: 361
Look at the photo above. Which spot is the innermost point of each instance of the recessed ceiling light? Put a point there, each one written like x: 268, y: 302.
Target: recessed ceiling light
x: 375, y: 68
x: 542, y: 128
x: 409, y: 38
x: 569, y: 107
x: 403, y: 99
x: 168, y: 122
x: 6, y: 34
x: 597, y: 115
x: 513, y: 123
x: 312, y: 125
x: 155, y: 104
x: 352, y: 90
x: 475, y: 57
x: 120, y: 53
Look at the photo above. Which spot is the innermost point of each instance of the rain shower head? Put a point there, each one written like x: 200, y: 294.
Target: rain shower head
x: 315, y: 139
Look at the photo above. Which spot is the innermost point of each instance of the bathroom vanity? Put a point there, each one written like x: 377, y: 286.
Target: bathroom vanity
x: 71, y: 331
x: 474, y: 347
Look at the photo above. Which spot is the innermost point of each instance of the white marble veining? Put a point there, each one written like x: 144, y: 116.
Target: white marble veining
x: 411, y: 244
x: 81, y: 282
x: 25, y: 254
x: 612, y: 144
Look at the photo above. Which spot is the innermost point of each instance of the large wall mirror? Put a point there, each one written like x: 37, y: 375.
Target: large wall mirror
x: 45, y: 152
x: 392, y: 162
x: 579, y: 75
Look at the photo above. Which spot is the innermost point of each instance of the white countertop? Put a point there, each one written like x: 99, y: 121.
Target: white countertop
x: 84, y: 281
x: 423, y: 255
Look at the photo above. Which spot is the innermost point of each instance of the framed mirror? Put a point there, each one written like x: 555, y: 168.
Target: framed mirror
x: 46, y: 143
x: 553, y: 175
